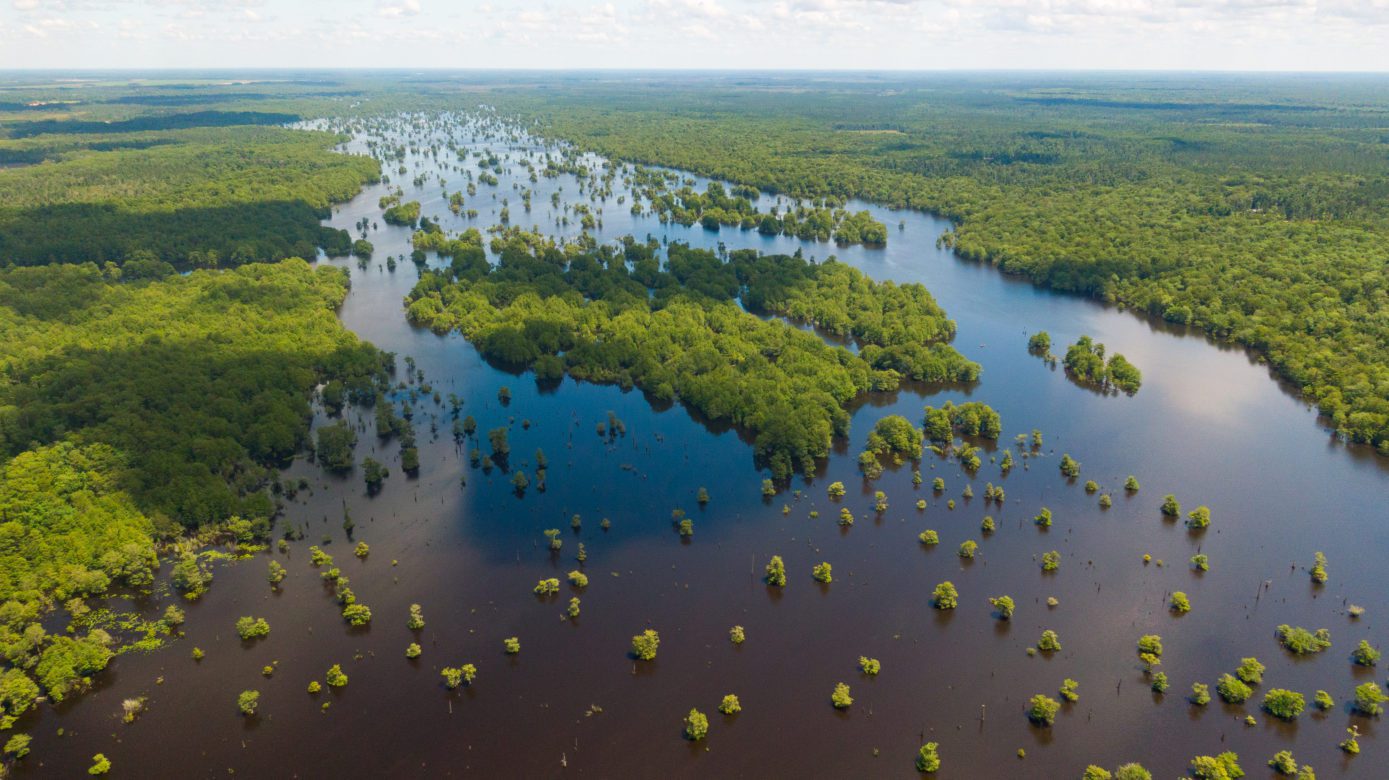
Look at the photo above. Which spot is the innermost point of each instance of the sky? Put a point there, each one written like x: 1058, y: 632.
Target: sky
x: 1279, y: 35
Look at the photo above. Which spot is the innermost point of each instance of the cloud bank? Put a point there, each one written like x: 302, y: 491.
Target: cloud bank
x: 830, y: 34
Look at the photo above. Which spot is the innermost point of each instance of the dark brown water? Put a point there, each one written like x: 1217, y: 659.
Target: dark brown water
x: 1209, y: 425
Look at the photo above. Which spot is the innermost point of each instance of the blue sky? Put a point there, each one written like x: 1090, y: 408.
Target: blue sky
x: 868, y: 34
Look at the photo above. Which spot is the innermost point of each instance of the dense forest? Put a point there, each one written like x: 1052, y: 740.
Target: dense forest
x: 131, y: 410
x: 677, y: 331
x: 1252, y: 209
x: 114, y: 175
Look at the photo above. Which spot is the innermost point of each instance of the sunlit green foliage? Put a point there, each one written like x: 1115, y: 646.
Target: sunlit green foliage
x: 776, y: 572
x: 927, y: 758
x: 644, y: 645
x: 840, y: 697
x: 1042, y: 709
x: 945, y: 596
x: 693, y: 342
x: 1369, y: 698
x: 1222, y: 767
x: 1303, y: 642
x: 199, y: 197
x: 1232, y: 690
x: 1171, y: 199
x: 200, y: 382
x: 1283, y: 703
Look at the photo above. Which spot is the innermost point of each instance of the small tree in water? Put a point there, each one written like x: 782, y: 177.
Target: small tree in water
x: 1042, y: 709
x: 644, y: 645
x: 927, y: 759
x: 1004, y: 605
x: 945, y: 596
x: 696, y: 725
x: 776, y: 572
x: 840, y: 697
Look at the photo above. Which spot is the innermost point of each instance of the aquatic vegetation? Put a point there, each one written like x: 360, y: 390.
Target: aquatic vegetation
x: 840, y: 697
x: 1050, y: 642
x: 249, y: 628
x: 356, y: 614
x: 1069, y: 467
x: 1304, y: 642
x: 1351, y: 744
x: 1222, y: 767
x: 335, y: 676
x: 929, y: 537
x: 247, y: 702
x: 1179, y: 602
x: 511, y: 645
x: 1318, y: 570
x: 822, y: 573
x: 1369, y: 699
x: 928, y: 758
x: 971, y: 418
x: 869, y: 666
x: 736, y: 635
x: 1051, y: 561
x: 730, y: 705
x: 945, y: 596
x: 1250, y: 671
x: 1004, y: 605
x: 1042, y: 709
x: 776, y: 572
x: 696, y: 725
x: 1232, y: 690
x: 644, y: 645
x: 1283, y: 703
x: 1200, y: 694
x: 1170, y: 506
x: 1070, y: 690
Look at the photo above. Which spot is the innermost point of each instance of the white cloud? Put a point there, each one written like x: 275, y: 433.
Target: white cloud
x: 400, y: 9
x: 1240, y: 34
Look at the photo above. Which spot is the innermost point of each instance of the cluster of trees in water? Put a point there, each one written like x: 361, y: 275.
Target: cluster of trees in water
x: 132, y: 411
x: 1086, y: 363
x: 823, y: 219
x: 1223, y: 215
x: 676, y: 330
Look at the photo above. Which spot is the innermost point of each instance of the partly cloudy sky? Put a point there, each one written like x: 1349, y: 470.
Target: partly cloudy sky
x: 837, y: 34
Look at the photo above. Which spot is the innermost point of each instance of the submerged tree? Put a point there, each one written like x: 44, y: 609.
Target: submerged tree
x: 247, y: 702
x: 1004, y: 605
x: 927, y: 758
x: 1042, y: 709
x: 945, y: 596
x: 644, y: 645
x: 840, y: 697
x: 776, y: 572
